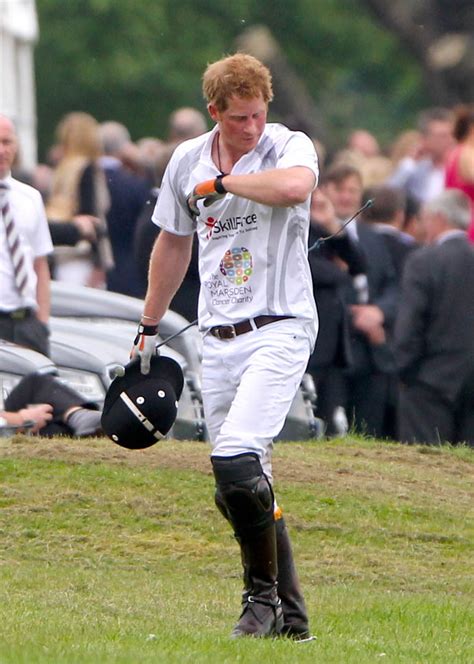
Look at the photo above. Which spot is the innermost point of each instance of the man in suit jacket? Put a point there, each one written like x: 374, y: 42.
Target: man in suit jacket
x: 334, y: 263
x: 434, y: 332
x: 128, y: 195
x: 368, y: 380
x: 387, y: 216
x: 371, y: 307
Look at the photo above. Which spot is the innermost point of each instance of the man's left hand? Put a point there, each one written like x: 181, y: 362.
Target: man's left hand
x: 209, y: 190
x: 144, y: 346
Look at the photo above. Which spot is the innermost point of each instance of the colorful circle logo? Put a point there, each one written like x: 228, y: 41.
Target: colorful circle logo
x: 237, y: 265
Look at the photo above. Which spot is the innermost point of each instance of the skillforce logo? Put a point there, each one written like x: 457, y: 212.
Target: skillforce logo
x: 237, y: 265
x: 230, y: 226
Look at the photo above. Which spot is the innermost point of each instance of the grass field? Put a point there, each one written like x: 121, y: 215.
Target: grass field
x: 115, y: 556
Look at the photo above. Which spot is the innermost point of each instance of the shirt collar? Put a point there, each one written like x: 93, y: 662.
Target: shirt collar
x: 388, y: 229
x: 108, y: 161
x: 7, y: 179
x: 385, y: 228
x: 207, y: 152
x: 448, y: 235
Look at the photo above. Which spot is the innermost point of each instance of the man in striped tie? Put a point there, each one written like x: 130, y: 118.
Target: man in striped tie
x: 25, y: 242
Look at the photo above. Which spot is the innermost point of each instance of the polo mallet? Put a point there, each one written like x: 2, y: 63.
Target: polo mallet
x: 176, y: 334
x: 321, y: 240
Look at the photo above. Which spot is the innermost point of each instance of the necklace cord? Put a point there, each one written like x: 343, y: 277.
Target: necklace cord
x: 219, y: 166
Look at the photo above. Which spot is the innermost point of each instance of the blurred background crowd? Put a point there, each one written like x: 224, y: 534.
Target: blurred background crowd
x: 99, y: 184
x: 99, y: 188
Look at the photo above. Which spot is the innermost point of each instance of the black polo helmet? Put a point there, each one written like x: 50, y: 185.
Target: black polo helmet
x: 140, y: 409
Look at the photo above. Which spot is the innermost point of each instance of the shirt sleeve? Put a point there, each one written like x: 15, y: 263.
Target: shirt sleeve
x: 171, y: 212
x: 41, y: 241
x: 299, y: 150
x: 87, y: 194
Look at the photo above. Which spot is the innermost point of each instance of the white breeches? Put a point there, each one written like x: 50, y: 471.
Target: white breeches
x: 249, y: 384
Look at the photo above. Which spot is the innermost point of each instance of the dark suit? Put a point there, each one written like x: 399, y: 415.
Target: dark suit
x: 399, y: 245
x: 368, y: 381
x: 434, y: 343
x: 128, y: 194
x: 329, y: 281
x: 333, y: 350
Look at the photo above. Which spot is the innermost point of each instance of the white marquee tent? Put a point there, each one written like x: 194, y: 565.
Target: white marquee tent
x: 18, y: 34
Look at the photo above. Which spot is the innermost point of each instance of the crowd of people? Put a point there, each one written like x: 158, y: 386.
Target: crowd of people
x: 99, y: 189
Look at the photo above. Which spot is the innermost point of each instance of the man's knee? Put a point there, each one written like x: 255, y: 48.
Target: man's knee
x: 34, y: 334
x: 243, y: 493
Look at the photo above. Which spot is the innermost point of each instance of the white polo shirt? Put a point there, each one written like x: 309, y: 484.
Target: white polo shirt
x: 253, y: 257
x: 28, y: 212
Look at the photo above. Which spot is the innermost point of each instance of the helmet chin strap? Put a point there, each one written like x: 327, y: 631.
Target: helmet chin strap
x: 140, y: 416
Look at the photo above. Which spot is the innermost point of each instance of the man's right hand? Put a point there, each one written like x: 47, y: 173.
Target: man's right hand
x: 323, y: 213
x: 40, y: 414
x: 144, y: 346
x: 209, y: 190
x: 87, y: 226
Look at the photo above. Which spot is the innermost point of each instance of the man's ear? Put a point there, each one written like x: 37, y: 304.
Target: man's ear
x: 213, y: 112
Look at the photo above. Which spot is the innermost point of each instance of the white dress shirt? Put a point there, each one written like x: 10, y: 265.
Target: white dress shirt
x: 29, y: 214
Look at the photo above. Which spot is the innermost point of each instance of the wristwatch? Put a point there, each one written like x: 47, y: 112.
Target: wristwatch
x: 3, y: 422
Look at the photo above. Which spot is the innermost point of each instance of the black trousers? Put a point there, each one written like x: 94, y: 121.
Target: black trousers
x: 27, y: 331
x: 368, y: 397
x: 43, y: 388
x: 425, y: 416
x: 330, y: 393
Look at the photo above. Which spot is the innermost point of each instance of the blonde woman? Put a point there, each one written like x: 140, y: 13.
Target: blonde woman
x: 79, y: 188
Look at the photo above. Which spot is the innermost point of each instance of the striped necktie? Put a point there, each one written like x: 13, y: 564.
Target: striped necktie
x: 14, y: 243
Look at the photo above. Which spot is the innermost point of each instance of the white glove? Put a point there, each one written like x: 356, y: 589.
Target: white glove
x: 144, y: 346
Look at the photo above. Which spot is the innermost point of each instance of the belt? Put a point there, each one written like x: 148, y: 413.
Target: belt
x: 232, y: 331
x: 17, y: 314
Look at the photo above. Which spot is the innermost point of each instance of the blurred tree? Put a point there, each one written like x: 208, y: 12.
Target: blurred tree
x: 440, y: 35
x: 136, y: 61
x: 291, y: 102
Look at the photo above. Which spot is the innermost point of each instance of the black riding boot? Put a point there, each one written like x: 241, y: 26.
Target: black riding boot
x: 295, y: 618
x: 261, y: 607
x: 245, y: 497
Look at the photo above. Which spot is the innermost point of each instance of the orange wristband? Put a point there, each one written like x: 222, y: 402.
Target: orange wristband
x: 205, y: 188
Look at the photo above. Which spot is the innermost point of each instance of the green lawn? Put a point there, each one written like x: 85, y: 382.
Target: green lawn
x: 115, y: 556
